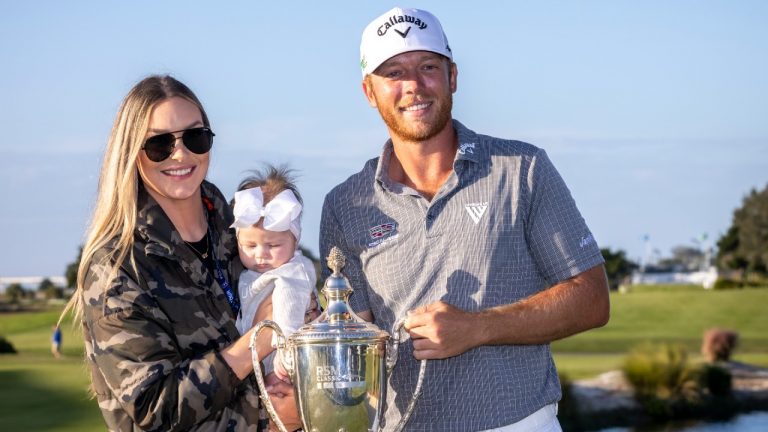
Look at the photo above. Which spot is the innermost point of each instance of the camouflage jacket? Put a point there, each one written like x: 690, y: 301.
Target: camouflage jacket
x: 152, y: 339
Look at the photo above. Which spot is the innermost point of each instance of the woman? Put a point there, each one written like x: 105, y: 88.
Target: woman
x: 155, y: 281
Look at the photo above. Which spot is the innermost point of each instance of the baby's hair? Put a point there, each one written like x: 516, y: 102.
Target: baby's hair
x: 272, y: 180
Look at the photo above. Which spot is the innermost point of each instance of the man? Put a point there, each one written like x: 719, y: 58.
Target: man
x: 473, y: 238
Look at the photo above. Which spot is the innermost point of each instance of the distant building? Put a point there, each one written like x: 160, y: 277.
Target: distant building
x: 705, y: 278
x: 31, y: 283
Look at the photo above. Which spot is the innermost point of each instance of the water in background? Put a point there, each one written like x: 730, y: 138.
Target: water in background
x: 749, y: 422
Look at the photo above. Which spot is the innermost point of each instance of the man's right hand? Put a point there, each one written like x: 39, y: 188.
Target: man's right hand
x: 440, y: 330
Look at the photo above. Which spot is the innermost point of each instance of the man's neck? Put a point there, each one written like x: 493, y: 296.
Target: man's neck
x: 424, y: 165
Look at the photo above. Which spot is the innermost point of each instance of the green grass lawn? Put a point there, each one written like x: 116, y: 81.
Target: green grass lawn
x: 679, y: 315
x: 38, y: 392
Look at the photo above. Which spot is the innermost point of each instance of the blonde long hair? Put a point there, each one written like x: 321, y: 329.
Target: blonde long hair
x: 114, y: 215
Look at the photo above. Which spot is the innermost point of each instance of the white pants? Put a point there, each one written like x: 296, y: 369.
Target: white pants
x: 543, y: 420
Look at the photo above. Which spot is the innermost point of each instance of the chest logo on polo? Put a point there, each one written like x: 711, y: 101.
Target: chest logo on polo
x: 476, y: 210
x: 379, y: 233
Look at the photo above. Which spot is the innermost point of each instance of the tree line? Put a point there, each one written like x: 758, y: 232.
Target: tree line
x: 742, y: 250
x: 744, y: 247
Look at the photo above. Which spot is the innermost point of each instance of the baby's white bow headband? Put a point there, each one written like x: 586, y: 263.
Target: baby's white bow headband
x: 282, y: 213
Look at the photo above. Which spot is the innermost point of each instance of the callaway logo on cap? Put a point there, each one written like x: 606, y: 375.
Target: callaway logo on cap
x: 398, y: 31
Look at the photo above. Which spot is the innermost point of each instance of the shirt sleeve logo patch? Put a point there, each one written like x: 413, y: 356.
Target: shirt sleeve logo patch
x: 586, y: 241
x: 476, y: 211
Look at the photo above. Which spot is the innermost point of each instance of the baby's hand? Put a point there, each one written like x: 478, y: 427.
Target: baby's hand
x: 313, y: 311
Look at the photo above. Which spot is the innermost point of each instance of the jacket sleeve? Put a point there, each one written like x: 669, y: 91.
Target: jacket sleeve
x: 137, y: 353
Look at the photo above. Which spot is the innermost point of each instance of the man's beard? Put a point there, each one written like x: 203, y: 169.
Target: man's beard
x: 415, y: 132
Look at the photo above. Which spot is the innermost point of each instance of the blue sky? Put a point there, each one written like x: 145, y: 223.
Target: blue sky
x: 655, y: 112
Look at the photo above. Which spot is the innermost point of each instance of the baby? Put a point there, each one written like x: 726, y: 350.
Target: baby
x: 267, y: 209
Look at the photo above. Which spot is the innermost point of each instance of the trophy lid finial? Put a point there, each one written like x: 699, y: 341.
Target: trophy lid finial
x: 336, y: 260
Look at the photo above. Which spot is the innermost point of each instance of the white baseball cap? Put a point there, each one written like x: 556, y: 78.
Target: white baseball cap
x: 398, y: 31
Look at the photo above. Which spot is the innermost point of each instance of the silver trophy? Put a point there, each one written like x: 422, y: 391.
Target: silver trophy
x: 338, y: 364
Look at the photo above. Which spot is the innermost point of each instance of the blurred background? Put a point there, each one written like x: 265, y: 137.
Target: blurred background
x: 654, y: 112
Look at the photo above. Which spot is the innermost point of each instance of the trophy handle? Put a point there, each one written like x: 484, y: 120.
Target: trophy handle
x: 257, y: 368
x: 392, y: 360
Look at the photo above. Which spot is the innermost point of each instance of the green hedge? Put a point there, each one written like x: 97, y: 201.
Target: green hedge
x: 726, y: 284
x: 667, y: 386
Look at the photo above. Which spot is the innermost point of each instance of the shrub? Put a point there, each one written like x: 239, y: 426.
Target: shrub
x: 657, y: 369
x: 718, y: 344
x: 726, y: 284
x: 6, y: 347
x: 667, y: 387
x: 717, y: 379
x: 664, y: 384
x: 15, y: 292
x: 756, y: 283
x: 52, y: 292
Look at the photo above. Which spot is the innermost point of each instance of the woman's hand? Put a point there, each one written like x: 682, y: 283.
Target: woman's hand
x: 281, y: 395
x: 238, y: 354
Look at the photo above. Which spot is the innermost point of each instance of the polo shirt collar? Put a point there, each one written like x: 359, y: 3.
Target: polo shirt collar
x: 469, y: 145
x: 468, y: 150
x: 381, y: 178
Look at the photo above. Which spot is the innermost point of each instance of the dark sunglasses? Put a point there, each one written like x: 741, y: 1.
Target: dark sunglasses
x: 197, y: 140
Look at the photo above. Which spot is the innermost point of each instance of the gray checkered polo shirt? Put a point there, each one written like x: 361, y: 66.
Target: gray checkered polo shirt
x: 503, y: 227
